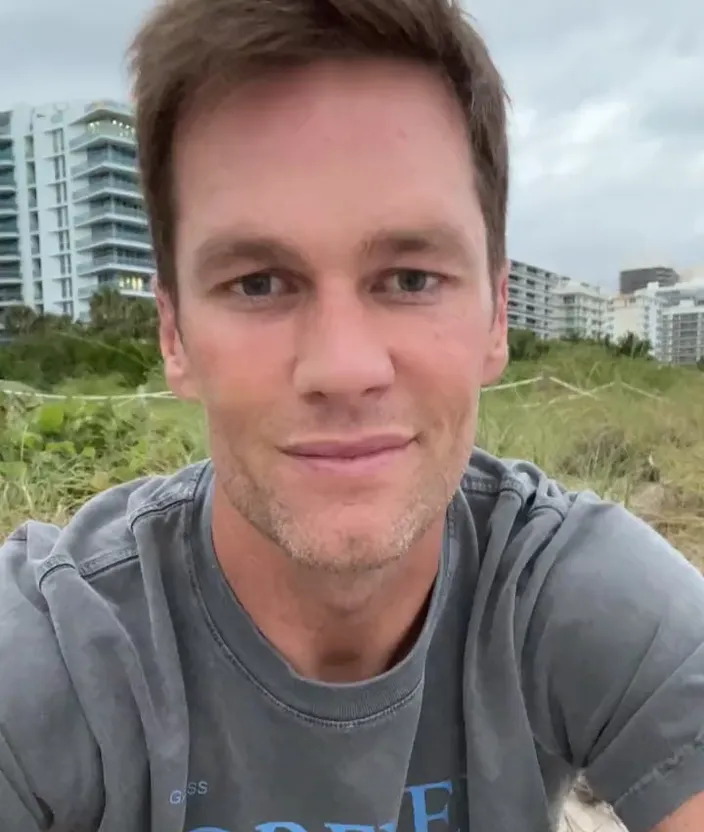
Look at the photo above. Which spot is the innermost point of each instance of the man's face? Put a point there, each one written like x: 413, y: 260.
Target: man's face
x: 336, y: 317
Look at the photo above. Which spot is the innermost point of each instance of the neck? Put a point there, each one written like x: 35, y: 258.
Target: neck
x: 329, y: 627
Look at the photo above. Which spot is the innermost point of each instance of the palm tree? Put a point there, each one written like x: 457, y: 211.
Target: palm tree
x: 19, y: 320
x: 106, y: 309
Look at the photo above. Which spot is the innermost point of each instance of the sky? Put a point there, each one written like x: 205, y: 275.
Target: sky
x: 607, y: 115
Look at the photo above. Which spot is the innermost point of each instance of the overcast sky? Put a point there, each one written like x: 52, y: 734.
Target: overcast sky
x: 607, y: 123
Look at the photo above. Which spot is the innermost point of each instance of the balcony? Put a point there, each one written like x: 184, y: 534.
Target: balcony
x: 103, y: 132
x: 108, y: 109
x: 101, y: 161
x: 117, y: 262
x: 105, y: 187
x: 7, y: 182
x: 13, y: 298
x: 131, y: 285
x: 9, y: 254
x: 9, y: 231
x: 8, y: 206
x: 116, y: 237
x: 6, y: 159
x: 112, y: 211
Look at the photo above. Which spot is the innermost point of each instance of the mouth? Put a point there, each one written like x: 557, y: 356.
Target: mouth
x: 358, y: 457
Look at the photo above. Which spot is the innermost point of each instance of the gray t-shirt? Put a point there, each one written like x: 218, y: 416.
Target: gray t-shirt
x: 136, y: 693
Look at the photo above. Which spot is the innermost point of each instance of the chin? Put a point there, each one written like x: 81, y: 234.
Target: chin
x: 342, y: 542
x: 351, y: 556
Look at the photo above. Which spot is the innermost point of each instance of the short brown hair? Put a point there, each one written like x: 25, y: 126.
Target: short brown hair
x: 186, y: 45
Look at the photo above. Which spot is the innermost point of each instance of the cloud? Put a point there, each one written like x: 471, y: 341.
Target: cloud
x: 607, y: 131
x: 607, y: 122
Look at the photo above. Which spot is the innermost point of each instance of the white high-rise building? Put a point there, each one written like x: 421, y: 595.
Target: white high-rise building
x: 639, y: 314
x: 11, y: 293
x: 683, y: 321
x: 70, y: 206
x: 683, y: 332
x: 668, y: 316
x: 579, y: 309
x: 530, y: 299
x: 554, y: 306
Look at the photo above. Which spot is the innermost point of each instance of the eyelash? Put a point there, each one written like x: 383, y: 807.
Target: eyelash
x: 436, y: 280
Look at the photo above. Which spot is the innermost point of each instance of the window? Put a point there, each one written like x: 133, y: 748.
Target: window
x: 66, y: 287
x: 61, y: 192
x: 57, y: 141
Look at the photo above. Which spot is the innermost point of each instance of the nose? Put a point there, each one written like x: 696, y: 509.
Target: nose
x: 342, y: 347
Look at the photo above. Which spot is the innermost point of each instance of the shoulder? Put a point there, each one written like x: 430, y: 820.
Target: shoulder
x: 604, y: 619
x: 521, y: 511
x: 576, y: 568
x: 102, y: 531
x: 52, y: 596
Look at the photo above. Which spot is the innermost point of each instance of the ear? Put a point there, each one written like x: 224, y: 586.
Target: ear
x: 496, y: 356
x: 176, y: 365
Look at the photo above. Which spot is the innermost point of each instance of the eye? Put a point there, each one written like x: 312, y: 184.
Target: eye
x: 410, y: 282
x: 260, y: 285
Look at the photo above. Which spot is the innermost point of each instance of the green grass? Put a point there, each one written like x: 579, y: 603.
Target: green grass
x: 646, y: 451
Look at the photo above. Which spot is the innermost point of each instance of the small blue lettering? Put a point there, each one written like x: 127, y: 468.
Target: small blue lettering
x: 280, y: 826
x: 209, y: 829
x: 422, y: 817
x: 345, y: 827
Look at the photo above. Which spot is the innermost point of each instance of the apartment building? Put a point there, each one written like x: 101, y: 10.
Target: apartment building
x: 578, y: 309
x: 667, y: 315
x: 692, y: 289
x: 530, y: 300
x: 639, y: 314
x: 11, y: 293
x: 630, y: 280
x: 71, y: 208
x: 683, y: 332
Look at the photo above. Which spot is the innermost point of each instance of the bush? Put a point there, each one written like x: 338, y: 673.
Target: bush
x: 119, y: 340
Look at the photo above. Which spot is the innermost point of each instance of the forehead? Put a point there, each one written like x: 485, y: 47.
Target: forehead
x: 352, y: 144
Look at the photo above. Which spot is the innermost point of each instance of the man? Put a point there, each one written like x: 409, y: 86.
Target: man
x: 334, y: 625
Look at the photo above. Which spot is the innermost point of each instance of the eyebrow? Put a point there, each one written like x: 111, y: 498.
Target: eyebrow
x: 223, y: 250
x: 439, y: 239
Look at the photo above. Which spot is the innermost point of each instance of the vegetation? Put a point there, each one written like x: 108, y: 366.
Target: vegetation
x: 119, y: 340
x: 638, y: 438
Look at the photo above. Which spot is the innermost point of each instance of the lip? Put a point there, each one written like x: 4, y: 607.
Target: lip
x: 348, y: 449
x: 357, y: 458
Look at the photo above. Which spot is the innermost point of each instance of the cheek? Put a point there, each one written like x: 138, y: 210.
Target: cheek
x: 451, y: 352
x: 446, y: 373
x: 234, y: 363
